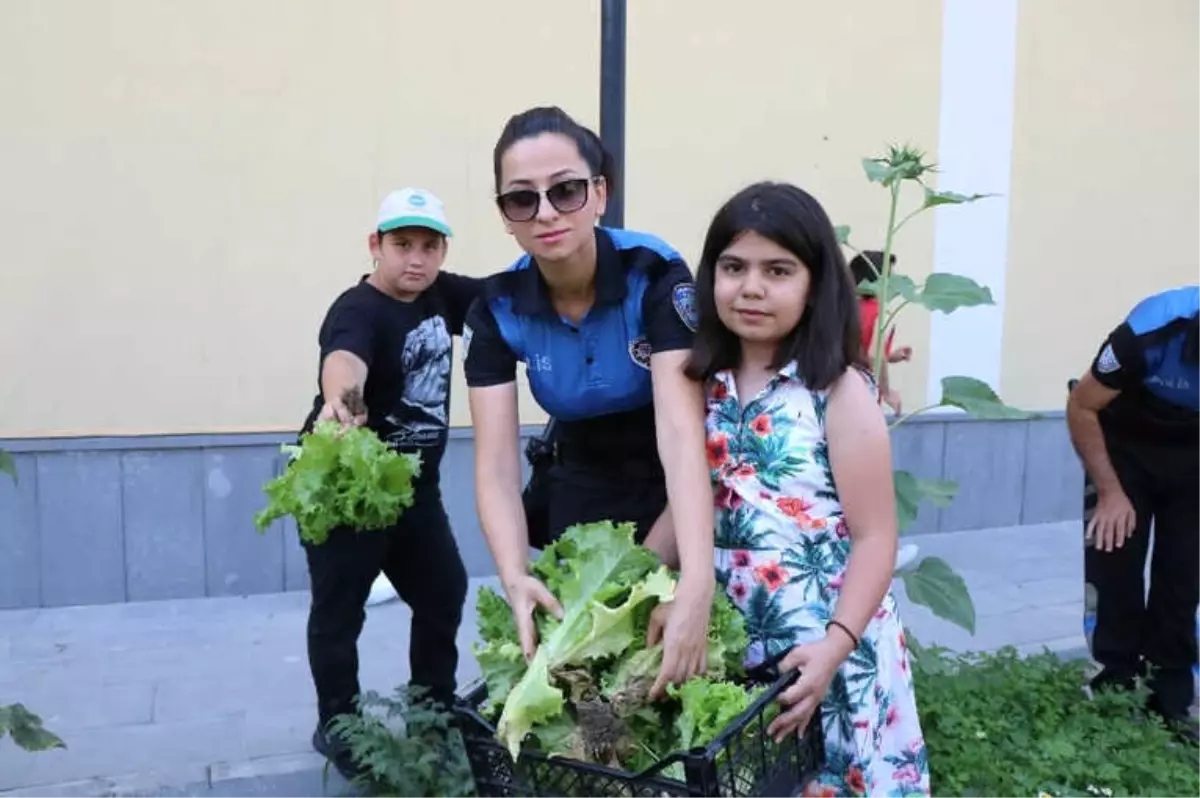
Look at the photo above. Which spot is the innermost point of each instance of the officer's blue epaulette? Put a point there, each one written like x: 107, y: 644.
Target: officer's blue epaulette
x: 1157, y: 311
x: 644, y: 251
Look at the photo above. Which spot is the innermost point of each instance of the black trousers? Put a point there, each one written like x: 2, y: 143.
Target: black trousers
x: 582, y: 493
x: 420, y: 558
x: 1161, y: 483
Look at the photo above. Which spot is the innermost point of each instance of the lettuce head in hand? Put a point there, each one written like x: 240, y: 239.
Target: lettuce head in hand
x: 340, y: 477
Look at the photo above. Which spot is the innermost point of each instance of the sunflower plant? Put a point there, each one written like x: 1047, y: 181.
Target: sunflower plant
x: 931, y: 582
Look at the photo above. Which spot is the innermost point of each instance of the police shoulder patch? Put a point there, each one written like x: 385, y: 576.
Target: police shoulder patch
x: 683, y: 297
x: 1107, y: 363
x: 639, y: 351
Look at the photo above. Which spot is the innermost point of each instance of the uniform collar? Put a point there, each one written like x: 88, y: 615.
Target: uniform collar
x: 532, y: 296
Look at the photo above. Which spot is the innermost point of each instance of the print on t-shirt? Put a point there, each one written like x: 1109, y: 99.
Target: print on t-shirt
x: 420, y: 420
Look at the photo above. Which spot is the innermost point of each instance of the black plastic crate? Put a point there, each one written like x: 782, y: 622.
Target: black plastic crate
x: 742, y: 761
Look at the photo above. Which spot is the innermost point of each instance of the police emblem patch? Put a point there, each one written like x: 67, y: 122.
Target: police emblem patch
x: 684, y: 299
x: 1107, y: 363
x: 639, y: 351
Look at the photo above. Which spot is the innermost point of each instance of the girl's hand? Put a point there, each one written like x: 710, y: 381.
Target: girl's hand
x: 818, y: 663
x: 525, y: 593
x: 682, y: 625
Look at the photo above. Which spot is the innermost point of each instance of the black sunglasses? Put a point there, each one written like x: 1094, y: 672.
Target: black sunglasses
x: 566, y: 196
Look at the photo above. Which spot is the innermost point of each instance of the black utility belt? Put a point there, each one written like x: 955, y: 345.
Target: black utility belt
x: 636, y: 467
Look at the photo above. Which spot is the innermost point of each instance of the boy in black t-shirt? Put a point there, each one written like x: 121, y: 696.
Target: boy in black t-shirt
x: 387, y: 340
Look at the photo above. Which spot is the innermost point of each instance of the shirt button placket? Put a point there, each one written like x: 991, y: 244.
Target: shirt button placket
x: 594, y: 370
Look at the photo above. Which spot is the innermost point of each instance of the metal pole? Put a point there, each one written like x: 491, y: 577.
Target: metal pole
x: 612, y: 103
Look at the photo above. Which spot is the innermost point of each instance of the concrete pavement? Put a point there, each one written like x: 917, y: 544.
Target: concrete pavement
x: 212, y: 696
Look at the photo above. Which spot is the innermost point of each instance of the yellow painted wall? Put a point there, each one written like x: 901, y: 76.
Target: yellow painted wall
x: 718, y: 99
x: 1105, y: 195
x: 187, y: 186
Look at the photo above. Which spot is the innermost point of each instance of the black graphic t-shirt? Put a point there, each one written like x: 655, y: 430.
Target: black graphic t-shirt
x: 407, y: 349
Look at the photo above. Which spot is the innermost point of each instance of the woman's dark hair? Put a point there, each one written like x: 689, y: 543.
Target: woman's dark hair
x: 864, y: 271
x: 552, y: 119
x: 827, y: 340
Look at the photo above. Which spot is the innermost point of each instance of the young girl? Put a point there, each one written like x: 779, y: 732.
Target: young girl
x: 805, y: 514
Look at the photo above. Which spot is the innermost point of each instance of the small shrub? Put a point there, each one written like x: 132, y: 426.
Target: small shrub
x: 1000, y: 724
x: 405, y: 747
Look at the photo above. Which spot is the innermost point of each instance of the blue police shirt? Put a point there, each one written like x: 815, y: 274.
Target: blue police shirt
x: 592, y: 376
x: 1151, y: 357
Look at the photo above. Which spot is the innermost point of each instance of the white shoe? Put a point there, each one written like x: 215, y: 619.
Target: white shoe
x: 381, y: 591
x: 905, y: 555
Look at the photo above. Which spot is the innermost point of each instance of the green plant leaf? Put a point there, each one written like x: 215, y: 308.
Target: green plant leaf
x: 977, y: 398
x: 899, y: 285
x: 842, y: 231
x: 27, y: 730
x: 949, y: 292
x: 933, y: 198
x: 934, y: 584
x: 8, y: 464
x: 911, y: 491
x: 877, y: 170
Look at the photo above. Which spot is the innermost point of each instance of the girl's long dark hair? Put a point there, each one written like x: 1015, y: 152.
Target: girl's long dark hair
x: 827, y: 339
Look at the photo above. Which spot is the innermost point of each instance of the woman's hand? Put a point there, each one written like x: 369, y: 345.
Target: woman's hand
x: 682, y: 625
x: 526, y: 593
x: 818, y: 663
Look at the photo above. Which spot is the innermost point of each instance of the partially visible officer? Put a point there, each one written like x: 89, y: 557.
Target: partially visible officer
x: 1133, y: 421
x: 387, y: 340
x: 603, y: 320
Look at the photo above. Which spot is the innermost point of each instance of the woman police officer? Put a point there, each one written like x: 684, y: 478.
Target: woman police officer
x: 603, y: 320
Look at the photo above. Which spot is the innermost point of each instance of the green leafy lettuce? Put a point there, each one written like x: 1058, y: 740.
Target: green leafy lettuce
x: 340, y: 477
x: 585, y: 693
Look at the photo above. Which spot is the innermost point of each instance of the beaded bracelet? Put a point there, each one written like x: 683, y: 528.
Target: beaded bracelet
x: 844, y: 628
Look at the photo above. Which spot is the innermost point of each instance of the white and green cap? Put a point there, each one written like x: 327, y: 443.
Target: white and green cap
x: 412, y: 207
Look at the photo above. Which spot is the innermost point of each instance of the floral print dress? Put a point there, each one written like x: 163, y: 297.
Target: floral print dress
x: 782, y: 548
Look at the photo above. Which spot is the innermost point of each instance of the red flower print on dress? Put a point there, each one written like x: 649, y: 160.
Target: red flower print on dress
x: 761, y: 426
x: 741, y: 559
x: 815, y: 789
x: 744, y: 470
x: 855, y: 781
x: 797, y: 509
x: 842, y: 530
x: 738, y: 592
x: 772, y: 575
x: 892, y: 716
x: 718, y: 450
x: 719, y: 391
x: 793, y: 507
x: 908, y: 774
